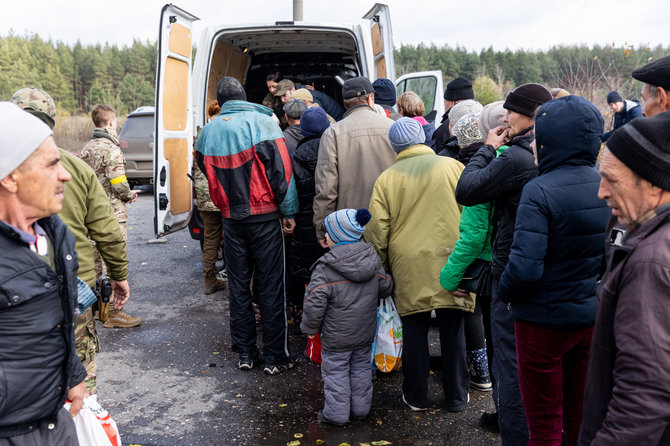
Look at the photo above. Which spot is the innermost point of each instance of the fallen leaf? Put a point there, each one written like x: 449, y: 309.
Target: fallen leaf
x: 283, y: 405
x: 298, y: 435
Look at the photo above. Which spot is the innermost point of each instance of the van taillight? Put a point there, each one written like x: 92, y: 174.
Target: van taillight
x: 123, y: 144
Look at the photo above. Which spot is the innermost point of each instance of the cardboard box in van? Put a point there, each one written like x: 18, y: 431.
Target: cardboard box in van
x: 322, y: 54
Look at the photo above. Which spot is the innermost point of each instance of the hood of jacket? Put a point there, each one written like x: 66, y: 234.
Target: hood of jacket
x: 353, y: 261
x: 628, y: 105
x: 567, y: 132
x: 236, y: 106
x: 307, y: 152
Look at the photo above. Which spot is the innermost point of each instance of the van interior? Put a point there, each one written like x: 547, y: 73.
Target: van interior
x: 304, y: 55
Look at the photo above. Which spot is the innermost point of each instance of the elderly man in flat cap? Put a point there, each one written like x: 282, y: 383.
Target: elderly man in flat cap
x: 38, y: 288
x: 656, y: 90
x: 627, y: 396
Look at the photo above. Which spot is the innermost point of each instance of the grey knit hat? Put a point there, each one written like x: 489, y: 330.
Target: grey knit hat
x: 406, y: 132
x: 20, y: 135
x: 463, y: 108
x: 466, y: 130
x: 491, y: 117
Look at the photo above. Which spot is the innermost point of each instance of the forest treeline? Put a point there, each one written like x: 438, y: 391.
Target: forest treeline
x: 79, y: 76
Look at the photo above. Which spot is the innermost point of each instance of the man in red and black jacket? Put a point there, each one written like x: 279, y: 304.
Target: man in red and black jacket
x: 243, y: 154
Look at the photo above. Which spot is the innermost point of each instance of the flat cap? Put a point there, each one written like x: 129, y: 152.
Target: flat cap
x: 656, y: 73
x: 294, y: 108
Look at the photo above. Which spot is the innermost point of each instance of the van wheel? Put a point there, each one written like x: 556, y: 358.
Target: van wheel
x: 132, y: 184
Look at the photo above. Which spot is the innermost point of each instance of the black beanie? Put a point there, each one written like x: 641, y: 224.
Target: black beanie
x: 614, y: 96
x: 385, y: 93
x: 229, y: 89
x: 458, y: 90
x: 643, y: 145
x: 527, y: 98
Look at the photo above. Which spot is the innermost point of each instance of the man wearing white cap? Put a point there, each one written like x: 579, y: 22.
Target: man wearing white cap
x: 38, y: 288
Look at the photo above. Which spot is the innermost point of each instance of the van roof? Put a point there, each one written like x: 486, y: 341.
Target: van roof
x: 299, y: 37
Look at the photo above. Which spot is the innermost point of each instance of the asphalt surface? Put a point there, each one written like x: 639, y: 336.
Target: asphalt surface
x: 173, y: 381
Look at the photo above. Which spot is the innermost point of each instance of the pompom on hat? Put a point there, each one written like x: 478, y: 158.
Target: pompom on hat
x: 346, y: 225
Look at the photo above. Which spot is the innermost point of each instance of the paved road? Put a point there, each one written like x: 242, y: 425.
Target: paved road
x: 173, y: 381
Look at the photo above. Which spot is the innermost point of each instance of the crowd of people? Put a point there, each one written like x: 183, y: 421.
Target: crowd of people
x: 541, y: 257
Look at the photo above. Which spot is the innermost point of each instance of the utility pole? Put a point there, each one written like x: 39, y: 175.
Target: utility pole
x: 297, y: 10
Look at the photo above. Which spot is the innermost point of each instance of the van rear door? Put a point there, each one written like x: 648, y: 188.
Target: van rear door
x: 173, y: 137
x: 428, y: 85
x: 382, y: 41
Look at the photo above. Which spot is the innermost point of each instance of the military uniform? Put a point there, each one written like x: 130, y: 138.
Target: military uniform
x: 104, y: 155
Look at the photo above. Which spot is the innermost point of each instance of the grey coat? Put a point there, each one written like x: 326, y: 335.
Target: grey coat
x: 341, y: 299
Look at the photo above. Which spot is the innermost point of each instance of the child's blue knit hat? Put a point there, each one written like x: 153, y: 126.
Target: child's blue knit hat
x: 346, y: 225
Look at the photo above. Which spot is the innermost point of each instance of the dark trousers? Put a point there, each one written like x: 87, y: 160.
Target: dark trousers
x: 62, y: 432
x: 210, y: 247
x: 506, y: 393
x: 415, y: 358
x: 474, y: 328
x: 256, y: 249
x: 552, y: 371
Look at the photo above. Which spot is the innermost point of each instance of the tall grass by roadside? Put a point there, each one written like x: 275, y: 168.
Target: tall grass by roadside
x: 73, y: 132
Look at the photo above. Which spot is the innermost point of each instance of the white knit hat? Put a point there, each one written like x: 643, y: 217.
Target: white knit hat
x: 20, y: 135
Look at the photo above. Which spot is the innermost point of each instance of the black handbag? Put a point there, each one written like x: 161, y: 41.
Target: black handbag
x: 472, y: 275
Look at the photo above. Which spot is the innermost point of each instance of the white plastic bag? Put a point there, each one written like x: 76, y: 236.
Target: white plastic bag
x: 94, y: 425
x: 388, y: 344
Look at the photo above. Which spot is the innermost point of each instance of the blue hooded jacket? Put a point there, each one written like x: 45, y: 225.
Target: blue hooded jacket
x: 560, y: 223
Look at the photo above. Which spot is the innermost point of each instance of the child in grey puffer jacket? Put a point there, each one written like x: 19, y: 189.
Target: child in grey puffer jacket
x: 341, y: 304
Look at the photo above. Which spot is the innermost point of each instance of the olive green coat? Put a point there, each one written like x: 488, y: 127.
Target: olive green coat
x: 414, y: 227
x: 88, y: 214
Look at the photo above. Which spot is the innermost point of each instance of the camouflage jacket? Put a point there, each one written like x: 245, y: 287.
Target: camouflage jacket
x: 104, y: 155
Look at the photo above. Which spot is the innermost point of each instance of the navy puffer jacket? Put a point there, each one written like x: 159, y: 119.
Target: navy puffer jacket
x: 560, y: 223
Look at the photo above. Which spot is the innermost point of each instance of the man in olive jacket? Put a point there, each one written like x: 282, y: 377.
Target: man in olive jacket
x: 626, y: 395
x: 352, y: 154
x: 38, y: 289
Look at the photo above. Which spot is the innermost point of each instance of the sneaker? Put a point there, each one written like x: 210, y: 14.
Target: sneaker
x: 322, y: 418
x: 119, y: 319
x: 246, y: 361
x: 489, y: 421
x: 218, y: 285
x: 481, y: 383
x: 414, y: 408
x: 274, y: 368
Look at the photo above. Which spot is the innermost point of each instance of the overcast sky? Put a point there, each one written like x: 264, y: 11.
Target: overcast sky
x: 474, y: 25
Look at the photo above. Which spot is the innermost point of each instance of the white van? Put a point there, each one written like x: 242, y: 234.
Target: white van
x: 325, y: 54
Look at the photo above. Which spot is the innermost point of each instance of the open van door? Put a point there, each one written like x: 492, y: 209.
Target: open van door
x: 382, y: 42
x: 428, y: 85
x: 173, y: 136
